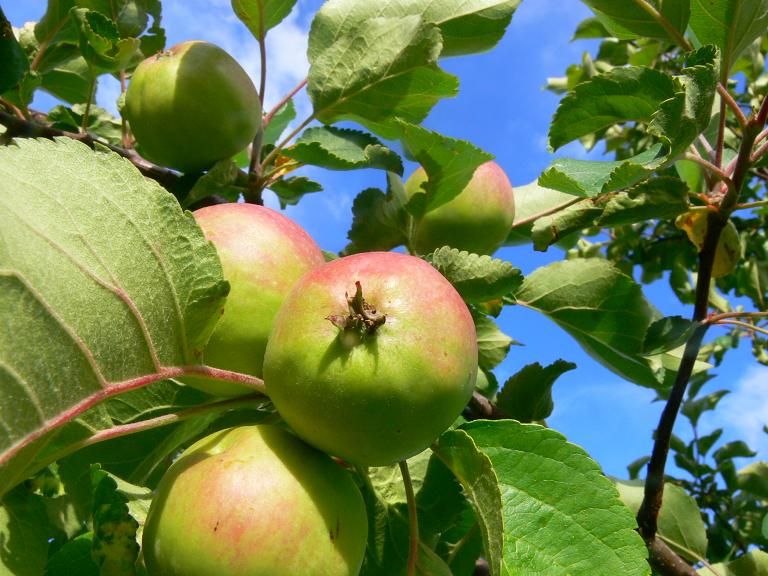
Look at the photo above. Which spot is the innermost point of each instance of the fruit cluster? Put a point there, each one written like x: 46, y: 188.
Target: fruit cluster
x: 367, y: 357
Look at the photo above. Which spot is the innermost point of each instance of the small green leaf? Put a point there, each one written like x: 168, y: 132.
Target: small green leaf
x: 548, y: 230
x: 24, y: 533
x: 736, y: 449
x: 474, y: 471
x: 629, y: 20
x: 15, y: 63
x: 667, y: 333
x: 223, y: 179
x: 114, y: 546
x: 680, y: 523
x: 527, y: 395
x: 561, y: 516
x: 343, y: 149
x: 379, y: 221
x: 278, y: 123
x: 448, y: 162
x: 492, y: 344
x: 694, y: 408
x: 101, y: 44
x: 260, y: 16
x: 754, y: 479
x: 290, y: 190
x: 477, y: 278
x: 602, y: 308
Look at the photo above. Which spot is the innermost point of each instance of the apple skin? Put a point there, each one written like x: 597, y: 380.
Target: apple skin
x: 262, y: 254
x: 478, y: 220
x: 381, y: 398
x: 192, y: 105
x: 255, y: 501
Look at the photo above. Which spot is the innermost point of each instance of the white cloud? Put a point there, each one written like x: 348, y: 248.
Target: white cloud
x: 744, y: 411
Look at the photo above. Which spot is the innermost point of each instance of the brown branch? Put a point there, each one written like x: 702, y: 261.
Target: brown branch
x: 282, y: 102
x: 27, y: 129
x: 665, y: 561
x: 480, y: 408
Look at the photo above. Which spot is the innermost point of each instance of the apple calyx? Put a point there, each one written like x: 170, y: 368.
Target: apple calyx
x: 363, y: 318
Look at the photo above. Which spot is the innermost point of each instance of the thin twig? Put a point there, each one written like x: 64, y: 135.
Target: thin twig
x: 727, y: 315
x: 276, y: 107
x: 413, y: 521
x: 262, y: 52
x: 748, y: 205
x: 88, y: 103
x: 664, y: 23
x: 719, y: 147
x: 745, y: 325
x: 732, y: 104
x: 13, y: 108
x: 29, y: 129
x: 759, y: 153
x: 547, y: 212
x: 707, y: 146
x: 714, y: 170
x: 272, y: 155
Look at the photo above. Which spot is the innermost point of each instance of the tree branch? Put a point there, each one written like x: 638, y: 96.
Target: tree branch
x: 20, y: 128
x: 664, y: 560
x: 282, y: 102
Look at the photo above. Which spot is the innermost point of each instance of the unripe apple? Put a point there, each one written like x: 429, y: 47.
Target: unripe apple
x: 477, y: 220
x: 255, y: 501
x: 262, y: 254
x: 192, y: 105
x: 371, y: 357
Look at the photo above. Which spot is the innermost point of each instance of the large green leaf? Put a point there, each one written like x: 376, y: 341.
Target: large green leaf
x: 621, y: 95
x: 559, y: 515
x: 602, y: 308
x: 103, y: 267
x: 731, y: 25
x: 628, y: 19
x: 680, y: 523
x: 399, y: 78
x: 260, y: 16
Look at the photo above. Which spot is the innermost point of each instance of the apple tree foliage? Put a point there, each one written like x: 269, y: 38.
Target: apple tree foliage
x: 109, y: 291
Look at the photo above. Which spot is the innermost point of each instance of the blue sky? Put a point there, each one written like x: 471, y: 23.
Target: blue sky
x: 503, y: 109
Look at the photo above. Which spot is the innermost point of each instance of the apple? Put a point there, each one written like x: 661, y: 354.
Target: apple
x: 192, y: 105
x: 263, y: 254
x: 371, y: 357
x: 478, y: 220
x: 255, y: 501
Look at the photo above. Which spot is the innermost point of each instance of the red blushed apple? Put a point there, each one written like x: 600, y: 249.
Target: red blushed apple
x: 262, y: 254
x: 371, y: 357
x: 192, y: 105
x: 477, y: 220
x: 255, y: 501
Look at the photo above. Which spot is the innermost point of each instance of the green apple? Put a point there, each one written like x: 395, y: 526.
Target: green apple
x: 478, y: 220
x: 192, y: 105
x: 255, y: 501
x: 371, y: 357
x: 262, y: 254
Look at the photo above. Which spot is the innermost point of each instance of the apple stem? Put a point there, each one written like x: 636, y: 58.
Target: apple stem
x: 363, y: 318
x: 413, y: 521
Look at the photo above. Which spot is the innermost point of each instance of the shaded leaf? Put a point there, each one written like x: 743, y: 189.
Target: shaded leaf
x: 603, y: 309
x: 660, y: 198
x: 91, y: 234
x: 492, y: 344
x: 24, y: 533
x: 630, y: 20
x: 473, y: 469
x: 101, y: 44
x: 290, y: 190
x: 731, y: 25
x: 260, y: 16
x: 73, y: 558
x: 754, y: 479
x: 477, y: 278
x: 527, y: 395
x: 15, y: 63
x: 561, y: 516
x: 223, y: 179
x: 379, y: 221
x: 735, y: 449
x: 694, y: 408
x: 667, y: 333
x: 680, y: 523
x: 448, y: 162
x: 754, y: 563
x: 343, y: 149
